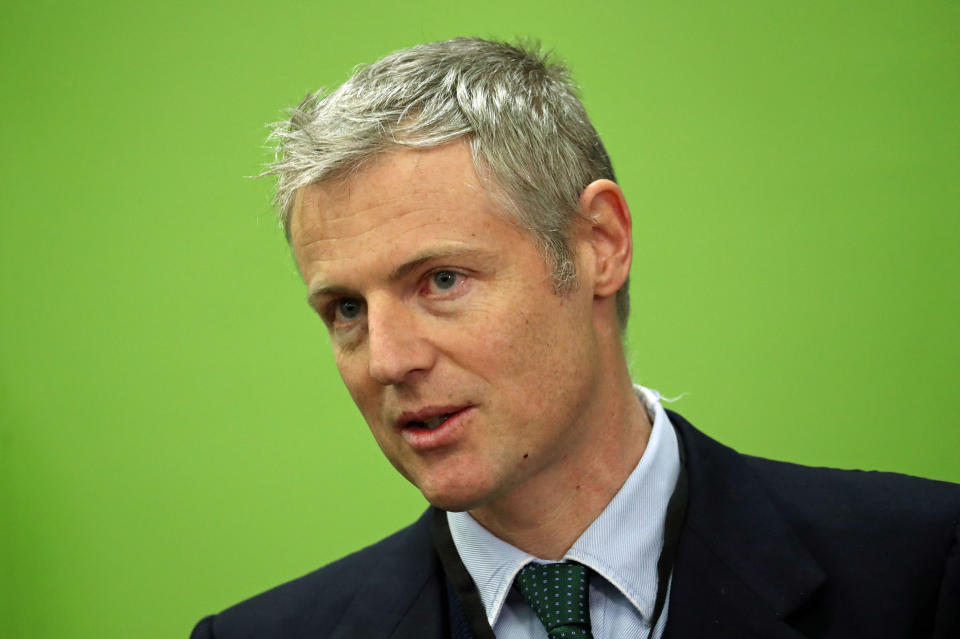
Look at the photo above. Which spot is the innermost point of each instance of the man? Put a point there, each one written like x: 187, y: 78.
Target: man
x: 458, y: 226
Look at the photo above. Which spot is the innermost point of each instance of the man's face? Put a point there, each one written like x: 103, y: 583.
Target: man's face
x: 472, y: 373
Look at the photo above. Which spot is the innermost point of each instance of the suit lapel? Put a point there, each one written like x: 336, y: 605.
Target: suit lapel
x: 424, y: 618
x: 740, y: 569
x: 402, y: 598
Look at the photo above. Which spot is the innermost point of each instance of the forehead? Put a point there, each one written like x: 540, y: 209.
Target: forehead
x: 402, y: 200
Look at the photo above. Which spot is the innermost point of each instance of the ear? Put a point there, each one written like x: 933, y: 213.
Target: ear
x: 611, y: 238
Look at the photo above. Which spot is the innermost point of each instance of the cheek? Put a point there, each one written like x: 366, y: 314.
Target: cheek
x: 366, y: 397
x: 520, y: 347
x: 352, y: 369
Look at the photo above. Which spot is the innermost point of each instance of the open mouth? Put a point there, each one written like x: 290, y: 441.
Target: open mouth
x: 430, y: 424
x: 435, y: 427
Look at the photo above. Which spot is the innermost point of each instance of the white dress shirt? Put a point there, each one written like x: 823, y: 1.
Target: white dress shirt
x: 621, y: 547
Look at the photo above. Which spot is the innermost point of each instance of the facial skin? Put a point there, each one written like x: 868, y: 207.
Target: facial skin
x: 436, y: 304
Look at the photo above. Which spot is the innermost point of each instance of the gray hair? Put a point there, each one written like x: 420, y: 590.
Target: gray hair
x: 528, y: 132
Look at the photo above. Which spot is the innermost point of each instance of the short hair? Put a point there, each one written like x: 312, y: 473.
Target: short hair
x: 529, y: 134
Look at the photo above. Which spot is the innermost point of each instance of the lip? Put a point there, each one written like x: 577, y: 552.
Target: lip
x: 423, y: 439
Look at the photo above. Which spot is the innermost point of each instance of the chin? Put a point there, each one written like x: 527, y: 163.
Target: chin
x: 456, y: 497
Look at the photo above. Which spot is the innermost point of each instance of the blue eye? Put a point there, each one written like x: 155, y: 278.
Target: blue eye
x: 444, y: 280
x: 349, y: 309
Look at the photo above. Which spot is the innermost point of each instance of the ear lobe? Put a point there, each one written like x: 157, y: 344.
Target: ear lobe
x: 604, y: 205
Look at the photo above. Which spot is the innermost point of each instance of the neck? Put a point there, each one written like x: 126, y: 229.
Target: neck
x: 549, y: 512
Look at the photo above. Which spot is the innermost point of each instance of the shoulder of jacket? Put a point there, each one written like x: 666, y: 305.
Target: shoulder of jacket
x: 313, y: 603
x: 889, y: 504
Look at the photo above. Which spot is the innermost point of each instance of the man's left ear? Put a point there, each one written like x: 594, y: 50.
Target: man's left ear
x: 606, y: 210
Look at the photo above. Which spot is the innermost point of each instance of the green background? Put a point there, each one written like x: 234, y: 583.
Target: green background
x: 173, y: 434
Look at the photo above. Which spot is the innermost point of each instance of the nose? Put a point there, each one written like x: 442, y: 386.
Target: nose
x: 397, y: 345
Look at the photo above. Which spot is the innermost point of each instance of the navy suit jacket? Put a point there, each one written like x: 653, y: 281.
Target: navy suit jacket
x: 768, y: 550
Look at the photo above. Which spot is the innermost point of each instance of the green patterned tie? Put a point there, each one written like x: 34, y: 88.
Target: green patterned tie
x: 558, y: 594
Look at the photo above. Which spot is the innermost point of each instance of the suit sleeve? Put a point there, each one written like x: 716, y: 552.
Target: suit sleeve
x: 947, y: 623
x: 204, y: 629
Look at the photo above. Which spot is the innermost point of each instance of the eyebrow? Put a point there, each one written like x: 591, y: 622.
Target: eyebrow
x: 400, y: 271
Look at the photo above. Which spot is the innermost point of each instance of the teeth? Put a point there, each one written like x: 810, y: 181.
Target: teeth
x: 434, y: 422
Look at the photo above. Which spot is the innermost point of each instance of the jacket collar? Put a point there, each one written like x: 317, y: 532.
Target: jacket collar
x: 739, y: 567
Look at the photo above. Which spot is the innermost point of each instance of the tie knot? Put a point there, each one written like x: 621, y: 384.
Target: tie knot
x: 558, y: 595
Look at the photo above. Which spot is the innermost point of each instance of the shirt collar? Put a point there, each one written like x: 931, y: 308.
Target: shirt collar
x: 622, y: 544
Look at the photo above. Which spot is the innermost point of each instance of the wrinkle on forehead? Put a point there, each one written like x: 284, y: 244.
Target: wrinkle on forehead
x: 320, y: 217
x: 321, y: 242
x: 455, y: 172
